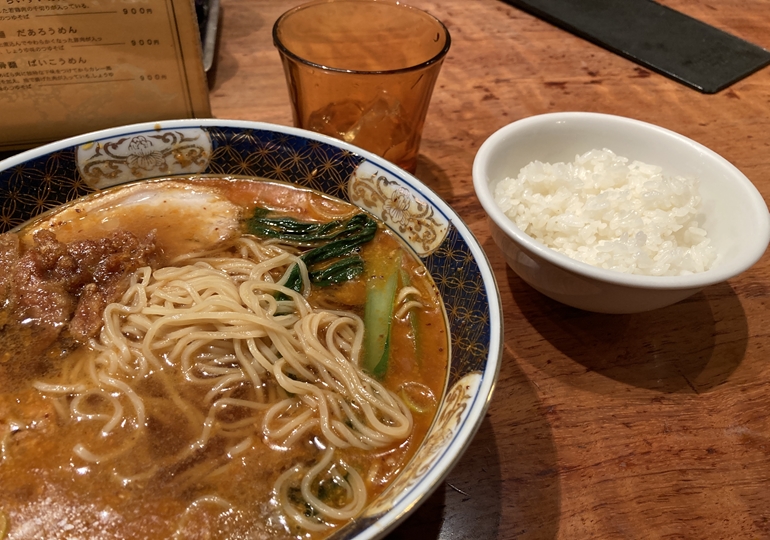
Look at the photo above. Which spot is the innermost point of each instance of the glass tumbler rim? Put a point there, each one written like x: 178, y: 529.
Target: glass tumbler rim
x: 284, y: 50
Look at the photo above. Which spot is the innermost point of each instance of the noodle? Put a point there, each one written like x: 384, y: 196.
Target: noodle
x: 404, y: 305
x: 198, y: 381
x: 284, y: 368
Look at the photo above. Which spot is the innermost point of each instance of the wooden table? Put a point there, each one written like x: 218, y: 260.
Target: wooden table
x: 654, y: 425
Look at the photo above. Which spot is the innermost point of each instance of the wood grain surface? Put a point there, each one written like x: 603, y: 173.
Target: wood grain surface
x: 654, y: 425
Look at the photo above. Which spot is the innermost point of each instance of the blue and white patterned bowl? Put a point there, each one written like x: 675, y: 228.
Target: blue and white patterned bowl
x: 41, y: 179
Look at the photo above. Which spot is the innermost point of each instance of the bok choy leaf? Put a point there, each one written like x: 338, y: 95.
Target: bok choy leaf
x: 381, y: 290
x: 334, y: 255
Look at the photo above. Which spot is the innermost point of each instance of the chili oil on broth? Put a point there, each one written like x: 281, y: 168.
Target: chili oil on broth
x: 100, y: 474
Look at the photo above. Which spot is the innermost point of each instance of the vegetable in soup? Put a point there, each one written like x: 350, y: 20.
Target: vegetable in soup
x: 209, y: 358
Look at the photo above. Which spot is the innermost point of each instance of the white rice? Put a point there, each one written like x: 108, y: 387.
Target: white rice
x: 606, y: 212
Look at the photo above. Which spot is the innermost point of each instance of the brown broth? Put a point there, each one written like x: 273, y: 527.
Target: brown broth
x: 48, y: 492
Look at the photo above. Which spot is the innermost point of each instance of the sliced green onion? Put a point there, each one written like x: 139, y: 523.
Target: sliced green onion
x: 418, y: 397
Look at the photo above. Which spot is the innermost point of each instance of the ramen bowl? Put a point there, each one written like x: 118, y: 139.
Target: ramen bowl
x: 732, y: 212
x: 58, y: 175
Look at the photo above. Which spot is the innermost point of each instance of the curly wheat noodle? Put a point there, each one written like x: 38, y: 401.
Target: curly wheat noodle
x: 405, y: 302
x: 354, y: 486
x: 211, y: 320
x: 112, y: 420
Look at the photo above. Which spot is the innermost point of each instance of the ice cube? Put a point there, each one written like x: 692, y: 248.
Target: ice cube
x: 336, y: 119
x: 378, y: 126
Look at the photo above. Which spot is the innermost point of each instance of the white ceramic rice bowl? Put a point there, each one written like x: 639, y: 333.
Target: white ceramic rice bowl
x: 734, y: 212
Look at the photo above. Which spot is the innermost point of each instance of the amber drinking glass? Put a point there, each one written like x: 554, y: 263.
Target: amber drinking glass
x: 362, y: 71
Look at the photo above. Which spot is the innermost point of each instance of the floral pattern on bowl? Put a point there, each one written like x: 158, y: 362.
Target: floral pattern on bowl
x: 112, y: 161
x: 398, y: 205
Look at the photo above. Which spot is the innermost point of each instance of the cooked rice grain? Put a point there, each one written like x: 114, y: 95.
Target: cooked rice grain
x: 608, y: 213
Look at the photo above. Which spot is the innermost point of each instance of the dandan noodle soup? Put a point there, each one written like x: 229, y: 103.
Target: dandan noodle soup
x: 171, y: 370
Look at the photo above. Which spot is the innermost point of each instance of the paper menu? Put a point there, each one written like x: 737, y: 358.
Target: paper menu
x: 73, y: 66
